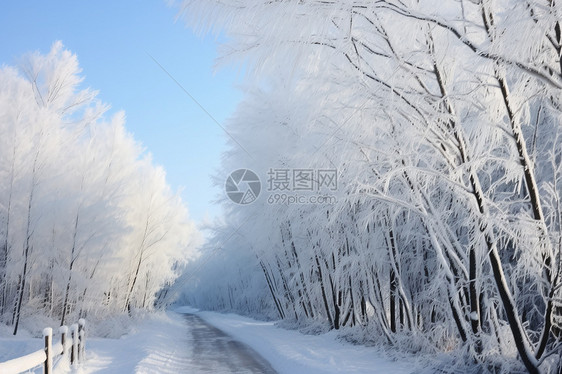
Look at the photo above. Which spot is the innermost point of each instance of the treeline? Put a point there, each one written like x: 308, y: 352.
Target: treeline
x: 88, y: 225
x: 443, y: 122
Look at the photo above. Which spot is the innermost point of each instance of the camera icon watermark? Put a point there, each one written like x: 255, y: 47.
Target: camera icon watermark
x: 242, y: 186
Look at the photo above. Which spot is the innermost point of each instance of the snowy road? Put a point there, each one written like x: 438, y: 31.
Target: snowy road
x: 213, y: 351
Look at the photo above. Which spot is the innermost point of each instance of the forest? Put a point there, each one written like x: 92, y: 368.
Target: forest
x: 78, y: 237
x: 442, y: 119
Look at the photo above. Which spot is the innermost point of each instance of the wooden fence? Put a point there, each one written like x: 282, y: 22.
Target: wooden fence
x: 71, y: 348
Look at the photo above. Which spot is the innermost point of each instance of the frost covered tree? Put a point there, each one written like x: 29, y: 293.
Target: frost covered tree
x: 76, y: 191
x: 442, y: 121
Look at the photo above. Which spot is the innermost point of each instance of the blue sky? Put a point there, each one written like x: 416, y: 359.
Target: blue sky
x: 114, y: 42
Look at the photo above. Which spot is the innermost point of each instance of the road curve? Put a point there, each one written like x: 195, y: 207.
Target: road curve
x: 215, y: 352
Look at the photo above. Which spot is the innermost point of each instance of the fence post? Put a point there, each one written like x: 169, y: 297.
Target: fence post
x: 74, y: 350
x: 63, y: 330
x: 82, y: 339
x: 48, y: 365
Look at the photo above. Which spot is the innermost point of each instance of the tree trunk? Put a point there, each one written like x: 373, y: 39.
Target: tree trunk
x: 392, y: 295
x: 27, y: 248
x: 272, y: 291
x: 323, y: 290
x: 133, y: 282
x: 474, y: 300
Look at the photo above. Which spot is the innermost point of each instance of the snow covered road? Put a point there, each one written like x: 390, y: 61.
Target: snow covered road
x: 191, y: 341
x: 213, y: 351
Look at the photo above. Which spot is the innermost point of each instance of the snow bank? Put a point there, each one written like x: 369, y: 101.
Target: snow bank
x: 156, y: 345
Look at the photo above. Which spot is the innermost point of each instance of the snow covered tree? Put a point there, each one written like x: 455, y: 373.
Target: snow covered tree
x: 77, y: 190
x: 441, y: 121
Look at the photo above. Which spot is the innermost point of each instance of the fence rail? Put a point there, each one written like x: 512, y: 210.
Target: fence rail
x: 71, y: 348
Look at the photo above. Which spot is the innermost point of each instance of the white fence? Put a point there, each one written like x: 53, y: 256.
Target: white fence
x: 71, y: 348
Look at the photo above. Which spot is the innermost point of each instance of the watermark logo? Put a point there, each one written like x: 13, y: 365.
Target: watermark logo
x: 285, y: 186
x: 243, y: 186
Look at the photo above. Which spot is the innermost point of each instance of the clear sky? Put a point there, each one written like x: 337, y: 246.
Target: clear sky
x: 114, y: 42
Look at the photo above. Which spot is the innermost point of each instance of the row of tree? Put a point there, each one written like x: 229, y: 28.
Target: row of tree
x: 443, y: 121
x: 88, y: 225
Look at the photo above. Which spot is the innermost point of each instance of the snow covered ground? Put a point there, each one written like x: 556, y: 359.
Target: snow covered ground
x: 162, y: 344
